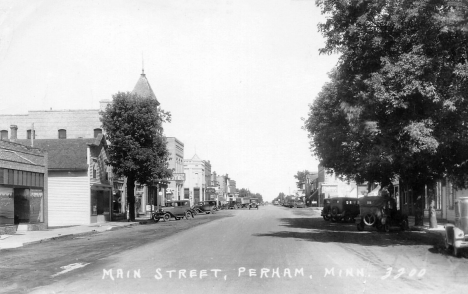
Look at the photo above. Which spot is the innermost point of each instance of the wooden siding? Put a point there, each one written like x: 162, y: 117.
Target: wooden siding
x: 69, y: 200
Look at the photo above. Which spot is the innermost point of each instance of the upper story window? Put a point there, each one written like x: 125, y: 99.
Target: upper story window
x: 97, y: 132
x: 28, y: 134
x: 4, y: 135
x: 62, y: 134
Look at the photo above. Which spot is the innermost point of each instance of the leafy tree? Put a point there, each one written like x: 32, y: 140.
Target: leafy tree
x: 301, y: 177
x: 397, y: 100
x: 244, y: 192
x: 138, y: 151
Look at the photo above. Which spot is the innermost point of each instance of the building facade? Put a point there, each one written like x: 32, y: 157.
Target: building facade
x: 175, y: 190
x: 79, y: 181
x: 195, y: 184
x: 223, y: 182
x: 232, y: 187
x: 23, y: 188
x: 330, y: 186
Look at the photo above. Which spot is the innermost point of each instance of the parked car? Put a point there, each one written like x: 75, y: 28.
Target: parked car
x: 174, y: 209
x: 253, y: 203
x: 207, y: 206
x: 456, y: 235
x: 326, y: 211
x: 380, y: 212
x: 232, y: 205
x: 344, y: 208
x: 299, y: 204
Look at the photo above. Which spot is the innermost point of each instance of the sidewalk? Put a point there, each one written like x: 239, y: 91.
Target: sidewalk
x: 22, y: 238
x: 440, y: 230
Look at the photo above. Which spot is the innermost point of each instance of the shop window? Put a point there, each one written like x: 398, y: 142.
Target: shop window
x: 6, y: 206
x: 62, y: 134
x: 4, y: 135
x: 97, y: 132
x: 100, y: 202
x: 29, y: 205
x: 28, y: 134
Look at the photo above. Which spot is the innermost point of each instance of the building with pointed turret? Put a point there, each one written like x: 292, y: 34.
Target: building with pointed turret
x: 143, y: 88
x: 85, y: 124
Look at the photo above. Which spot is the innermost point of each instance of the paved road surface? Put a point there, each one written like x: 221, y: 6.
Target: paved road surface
x: 272, y: 250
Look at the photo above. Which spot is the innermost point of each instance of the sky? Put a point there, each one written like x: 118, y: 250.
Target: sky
x: 236, y: 75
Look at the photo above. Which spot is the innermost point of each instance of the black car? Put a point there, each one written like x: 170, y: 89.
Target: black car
x: 344, y: 209
x: 207, y: 206
x: 253, y: 203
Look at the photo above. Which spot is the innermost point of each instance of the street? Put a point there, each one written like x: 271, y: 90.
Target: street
x: 270, y: 250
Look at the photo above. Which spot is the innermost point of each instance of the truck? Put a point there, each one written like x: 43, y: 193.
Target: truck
x: 242, y: 202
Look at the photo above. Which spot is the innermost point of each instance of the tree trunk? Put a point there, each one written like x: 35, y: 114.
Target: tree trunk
x: 419, y: 205
x: 131, y: 198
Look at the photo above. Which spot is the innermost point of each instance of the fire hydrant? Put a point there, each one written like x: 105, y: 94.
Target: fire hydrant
x: 432, y: 216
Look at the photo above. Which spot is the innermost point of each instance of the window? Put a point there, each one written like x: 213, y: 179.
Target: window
x: 94, y: 171
x: 4, y: 135
x: 451, y: 195
x: 28, y: 134
x: 97, y: 132
x: 62, y: 134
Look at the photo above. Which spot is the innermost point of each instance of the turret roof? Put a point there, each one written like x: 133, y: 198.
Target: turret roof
x: 143, y: 88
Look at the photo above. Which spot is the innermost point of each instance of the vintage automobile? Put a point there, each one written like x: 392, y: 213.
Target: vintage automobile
x: 326, y: 211
x: 207, y: 206
x: 232, y: 205
x: 380, y: 212
x: 343, y: 208
x: 456, y: 235
x: 174, y: 209
x: 299, y: 204
x: 253, y: 203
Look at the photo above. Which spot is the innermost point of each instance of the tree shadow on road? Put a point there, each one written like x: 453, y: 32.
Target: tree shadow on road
x: 315, y: 229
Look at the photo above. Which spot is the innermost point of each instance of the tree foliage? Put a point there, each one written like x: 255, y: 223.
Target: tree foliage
x: 137, y: 150
x: 301, y: 177
x: 397, y: 101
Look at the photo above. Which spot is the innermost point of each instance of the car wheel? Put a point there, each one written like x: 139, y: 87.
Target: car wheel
x: 155, y: 218
x: 369, y: 219
x: 386, y: 228
x: 447, y: 245
x: 456, y: 251
x: 207, y: 212
x: 326, y: 217
x: 347, y: 218
x: 187, y: 215
x: 167, y: 217
x: 404, y: 225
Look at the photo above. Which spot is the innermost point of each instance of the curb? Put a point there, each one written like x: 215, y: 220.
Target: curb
x: 64, y: 236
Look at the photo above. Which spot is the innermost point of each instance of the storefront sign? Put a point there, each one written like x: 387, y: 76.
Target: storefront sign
x: 210, y: 191
x: 37, y: 193
x: 177, y: 177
